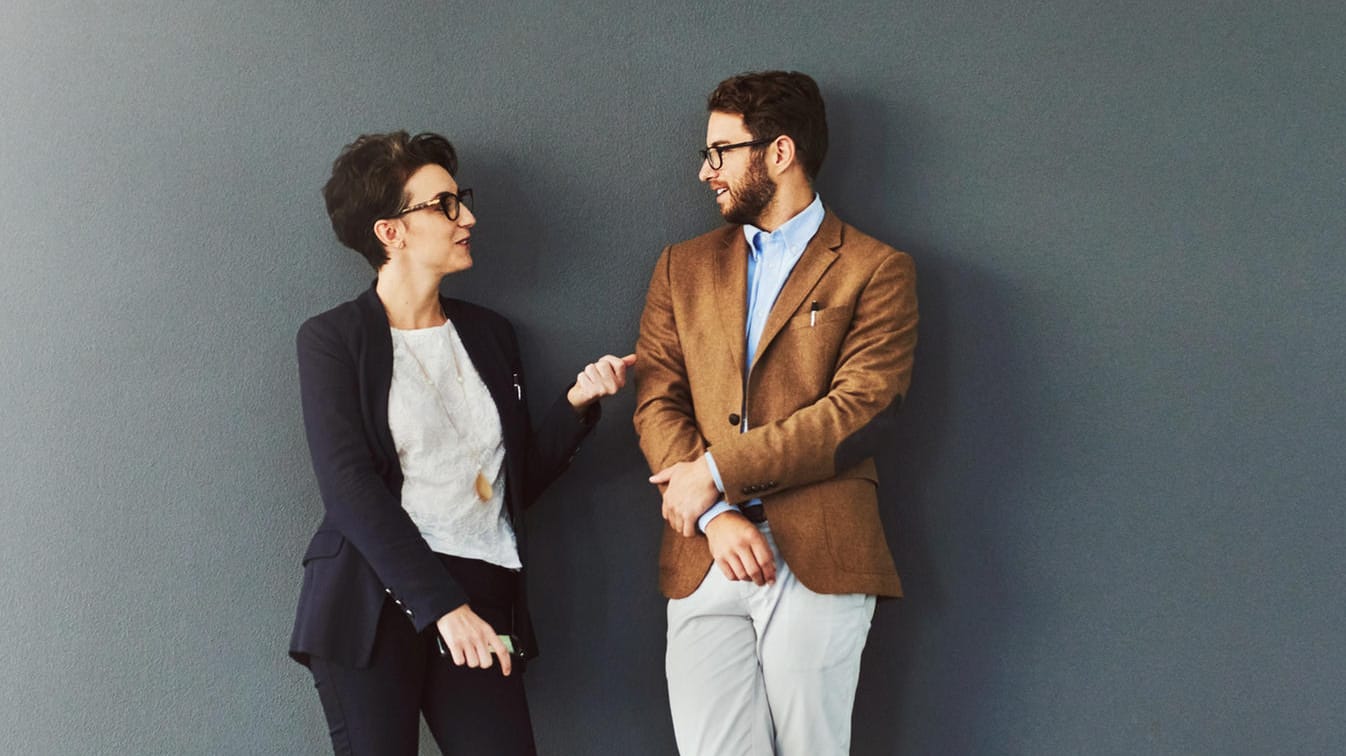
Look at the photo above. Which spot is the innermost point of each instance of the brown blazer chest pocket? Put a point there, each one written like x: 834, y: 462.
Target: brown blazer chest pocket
x: 819, y: 317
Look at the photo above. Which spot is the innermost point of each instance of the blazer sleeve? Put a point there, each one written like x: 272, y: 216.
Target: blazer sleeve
x: 354, y: 494
x: 859, y: 410
x: 663, y: 416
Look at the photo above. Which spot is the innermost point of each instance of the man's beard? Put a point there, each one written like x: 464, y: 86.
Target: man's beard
x: 749, y: 199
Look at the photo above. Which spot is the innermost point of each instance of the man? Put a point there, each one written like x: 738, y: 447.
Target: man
x: 773, y: 354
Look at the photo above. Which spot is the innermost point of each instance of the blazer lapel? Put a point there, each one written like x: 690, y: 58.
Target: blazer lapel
x: 377, y: 369
x: 817, y: 258
x: 731, y: 294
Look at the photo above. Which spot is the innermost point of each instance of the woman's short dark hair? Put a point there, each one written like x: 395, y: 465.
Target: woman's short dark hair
x: 773, y: 103
x: 369, y: 181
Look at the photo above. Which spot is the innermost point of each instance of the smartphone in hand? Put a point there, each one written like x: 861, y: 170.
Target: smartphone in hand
x: 510, y: 643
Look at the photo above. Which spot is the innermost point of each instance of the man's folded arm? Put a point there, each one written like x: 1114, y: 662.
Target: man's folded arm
x: 857, y: 414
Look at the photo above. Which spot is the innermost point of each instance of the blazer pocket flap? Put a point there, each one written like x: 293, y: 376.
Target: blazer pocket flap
x: 325, y: 545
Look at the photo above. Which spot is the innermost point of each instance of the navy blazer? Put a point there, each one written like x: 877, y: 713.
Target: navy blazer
x: 367, y: 551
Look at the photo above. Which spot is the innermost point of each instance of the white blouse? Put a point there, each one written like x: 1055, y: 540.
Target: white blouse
x: 446, y: 429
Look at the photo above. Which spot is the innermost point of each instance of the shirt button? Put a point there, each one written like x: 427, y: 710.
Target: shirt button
x: 734, y: 419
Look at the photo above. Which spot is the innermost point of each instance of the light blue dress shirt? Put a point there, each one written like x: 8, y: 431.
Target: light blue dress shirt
x: 771, y: 257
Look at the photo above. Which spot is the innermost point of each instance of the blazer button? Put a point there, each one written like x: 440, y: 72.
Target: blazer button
x: 734, y: 419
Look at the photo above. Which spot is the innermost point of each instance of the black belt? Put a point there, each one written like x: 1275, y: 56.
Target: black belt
x: 755, y: 513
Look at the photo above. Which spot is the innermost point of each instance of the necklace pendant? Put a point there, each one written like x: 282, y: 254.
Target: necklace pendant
x: 484, y: 490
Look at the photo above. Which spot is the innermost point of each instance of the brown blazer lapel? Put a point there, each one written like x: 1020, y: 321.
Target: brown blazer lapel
x: 817, y: 258
x: 731, y: 293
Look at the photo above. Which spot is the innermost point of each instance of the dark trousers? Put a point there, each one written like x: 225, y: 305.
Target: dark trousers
x: 375, y: 711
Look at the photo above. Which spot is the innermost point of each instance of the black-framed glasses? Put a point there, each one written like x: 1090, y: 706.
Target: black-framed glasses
x: 448, y: 204
x: 714, y: 154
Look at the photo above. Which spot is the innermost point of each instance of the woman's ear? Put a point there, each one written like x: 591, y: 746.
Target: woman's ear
x: 390, y: 233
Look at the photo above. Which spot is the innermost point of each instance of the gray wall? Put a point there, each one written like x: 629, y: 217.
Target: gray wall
x: 1116, y: 497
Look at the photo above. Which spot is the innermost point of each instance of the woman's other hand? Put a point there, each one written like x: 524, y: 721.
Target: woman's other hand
x: 603, y: 377
x: 471, y: 640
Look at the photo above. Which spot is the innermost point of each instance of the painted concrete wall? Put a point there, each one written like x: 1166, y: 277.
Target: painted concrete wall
x: 1116, y: 496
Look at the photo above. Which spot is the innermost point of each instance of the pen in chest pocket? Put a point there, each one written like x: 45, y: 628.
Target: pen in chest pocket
x: 518, y: 389
x: 813, y: 313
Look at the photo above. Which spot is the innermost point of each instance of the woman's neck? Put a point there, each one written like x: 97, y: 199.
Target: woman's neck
x: 411, y: 302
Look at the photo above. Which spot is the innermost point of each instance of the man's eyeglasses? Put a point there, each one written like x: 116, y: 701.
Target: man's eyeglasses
x: 714, y: 155
x: 448, y: 203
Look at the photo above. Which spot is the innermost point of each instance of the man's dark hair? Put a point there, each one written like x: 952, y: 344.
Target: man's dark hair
x: 773, y: 103
x: 369, y: 181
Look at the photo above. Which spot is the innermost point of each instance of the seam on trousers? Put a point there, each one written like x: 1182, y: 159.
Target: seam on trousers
x: 344, y: 749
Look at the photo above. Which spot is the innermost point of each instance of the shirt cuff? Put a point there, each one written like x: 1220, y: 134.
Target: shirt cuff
x: 718, y: 509
x: 714, y: 473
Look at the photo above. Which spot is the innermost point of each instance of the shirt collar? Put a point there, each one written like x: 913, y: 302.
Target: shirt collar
x: 794, y: 233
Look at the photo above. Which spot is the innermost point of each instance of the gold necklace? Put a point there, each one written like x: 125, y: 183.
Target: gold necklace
x: 483, y: 486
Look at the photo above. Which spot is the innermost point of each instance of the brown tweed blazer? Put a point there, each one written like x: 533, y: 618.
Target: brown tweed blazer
x: 819, y: 399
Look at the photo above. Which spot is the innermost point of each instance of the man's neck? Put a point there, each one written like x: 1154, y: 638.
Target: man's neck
x: 790, y: 200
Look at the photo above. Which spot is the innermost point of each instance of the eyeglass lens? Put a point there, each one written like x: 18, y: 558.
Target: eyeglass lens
x: 449, y: 202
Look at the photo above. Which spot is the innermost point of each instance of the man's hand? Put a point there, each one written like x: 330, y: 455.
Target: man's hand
x: 471, y: 640
x: 740, y: 549
x: 689, y: 490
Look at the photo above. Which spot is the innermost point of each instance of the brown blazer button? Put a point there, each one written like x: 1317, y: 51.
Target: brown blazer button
x: 734, y: 419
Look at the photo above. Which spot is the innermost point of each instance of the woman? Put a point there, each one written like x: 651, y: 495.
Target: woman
x: 418, y: 425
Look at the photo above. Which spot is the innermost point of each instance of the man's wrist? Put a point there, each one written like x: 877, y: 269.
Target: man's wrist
x: 714, y: 471
x: 719, y: 508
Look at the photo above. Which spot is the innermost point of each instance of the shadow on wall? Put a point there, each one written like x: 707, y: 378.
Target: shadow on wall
x: 866, y: 170
x: 925, y: 653
x: 924, y: 637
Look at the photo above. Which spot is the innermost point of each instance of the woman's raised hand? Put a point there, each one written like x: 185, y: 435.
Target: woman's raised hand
x: 602, y: 377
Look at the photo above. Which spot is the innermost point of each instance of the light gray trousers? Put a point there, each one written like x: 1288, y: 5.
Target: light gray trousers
x: 755, y: 671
